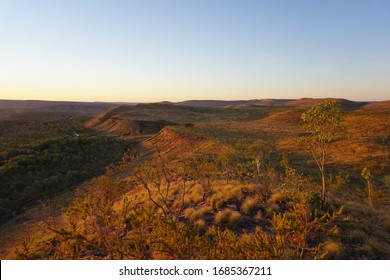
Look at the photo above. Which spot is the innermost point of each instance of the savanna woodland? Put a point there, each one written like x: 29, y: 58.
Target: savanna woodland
x: 263, y: 179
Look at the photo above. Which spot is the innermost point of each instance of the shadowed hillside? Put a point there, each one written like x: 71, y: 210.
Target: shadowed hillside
x: 9, y: 107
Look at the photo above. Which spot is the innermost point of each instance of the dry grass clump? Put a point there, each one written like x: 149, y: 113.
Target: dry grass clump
x: 232, y: 192
x: 193, y: 214
x: 228, y: 217
x: 200, y: 225
x: 271, y: 209
x: 223, y: 194
x: 217, y: 201
x: 259, y: 216
x: 194, y: 195
x: 333, y: 249
x: 251, y: 188
x: 250, y: 206
x: 188, y: 213
x: 235, y: 218
x: 205, y: 210
x: 335, y: 231
x: 278, y: 198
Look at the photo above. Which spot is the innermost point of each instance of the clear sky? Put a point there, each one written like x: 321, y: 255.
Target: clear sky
x: 142, y: 51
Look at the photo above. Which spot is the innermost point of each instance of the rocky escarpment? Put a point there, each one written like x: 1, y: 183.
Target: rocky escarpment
x: 112, y: 122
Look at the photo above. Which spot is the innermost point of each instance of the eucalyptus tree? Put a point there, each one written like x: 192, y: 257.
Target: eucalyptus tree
x: 322, y: 124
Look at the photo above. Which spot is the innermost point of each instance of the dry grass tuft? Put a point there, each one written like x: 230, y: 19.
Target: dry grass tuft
x: 188, y: 213
x: 271, y: 209
x: 193, y: 214
x: 228, y: 217
x: 278, y: 198
x: 259, y: 216
x: 200, y: 225
x: 251, y: 206
x: 223, y: 194
x: 194, y: 196
x: 334, y: 250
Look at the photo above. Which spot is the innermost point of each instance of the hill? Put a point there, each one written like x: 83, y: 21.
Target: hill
x: 296, y: 103
x: 383, y: 106
x: 150, y: 118
x: 8, y: 107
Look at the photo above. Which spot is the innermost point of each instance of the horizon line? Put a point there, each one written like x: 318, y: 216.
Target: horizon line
x: 186, y: 100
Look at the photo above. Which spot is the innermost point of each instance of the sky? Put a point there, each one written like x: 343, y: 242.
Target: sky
x: 156, y: 50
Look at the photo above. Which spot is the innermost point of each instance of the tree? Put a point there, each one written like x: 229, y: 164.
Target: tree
x: 206, y: 169
x: 261, y: 152
x: 373, y: 195
x: 322, y: 124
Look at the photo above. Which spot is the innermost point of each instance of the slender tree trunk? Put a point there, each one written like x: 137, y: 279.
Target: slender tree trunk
x: 323, y: 185
x: 323, y: 178
x: 370, y: 200
x: 184, y: 178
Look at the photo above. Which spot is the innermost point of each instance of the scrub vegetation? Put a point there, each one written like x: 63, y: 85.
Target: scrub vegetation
x: 211, y: 183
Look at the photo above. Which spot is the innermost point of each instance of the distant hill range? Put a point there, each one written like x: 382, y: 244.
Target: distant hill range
x: 149, y: 118
x: 8, y: 107
x: 297, y: 103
